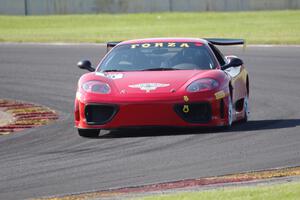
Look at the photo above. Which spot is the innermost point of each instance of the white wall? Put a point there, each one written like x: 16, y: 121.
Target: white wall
x: 40, y: 7
x: 12, y: 7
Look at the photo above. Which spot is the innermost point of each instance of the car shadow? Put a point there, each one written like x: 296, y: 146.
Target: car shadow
x: 253, y: 125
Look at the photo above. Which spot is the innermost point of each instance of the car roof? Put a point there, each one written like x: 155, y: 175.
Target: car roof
x: 174, y: 39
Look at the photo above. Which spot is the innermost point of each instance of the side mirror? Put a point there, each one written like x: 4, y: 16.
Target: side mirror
x: 85, y: 64
x: 234, y: 62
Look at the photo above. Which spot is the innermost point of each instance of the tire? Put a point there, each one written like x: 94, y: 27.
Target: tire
x: 246, y: 109
x: 229, y: 113
x: 89, y: 133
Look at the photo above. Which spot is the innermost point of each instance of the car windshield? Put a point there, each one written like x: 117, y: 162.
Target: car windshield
x: 157, y: 57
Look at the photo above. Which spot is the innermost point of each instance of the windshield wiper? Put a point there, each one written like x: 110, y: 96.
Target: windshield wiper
x: 160, y: 69
x: 112, y: 70
x: 149, y: 69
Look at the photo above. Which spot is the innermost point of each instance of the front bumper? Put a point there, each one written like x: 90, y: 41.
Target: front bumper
x: 199, y: 111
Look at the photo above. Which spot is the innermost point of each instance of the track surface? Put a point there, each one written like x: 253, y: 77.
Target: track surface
x: 54, y: 160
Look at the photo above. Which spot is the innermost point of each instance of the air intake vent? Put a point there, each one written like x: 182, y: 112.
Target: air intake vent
x: 99, y: 114
x: 196, y: 112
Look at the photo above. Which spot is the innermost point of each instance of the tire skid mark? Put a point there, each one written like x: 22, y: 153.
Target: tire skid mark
x: 26, y: 115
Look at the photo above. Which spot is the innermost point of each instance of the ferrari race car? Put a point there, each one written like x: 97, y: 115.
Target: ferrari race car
x: 184, y: 82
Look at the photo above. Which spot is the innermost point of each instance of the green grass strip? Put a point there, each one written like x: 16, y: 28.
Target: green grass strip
x: 263, y: 27
x: 290, y: 191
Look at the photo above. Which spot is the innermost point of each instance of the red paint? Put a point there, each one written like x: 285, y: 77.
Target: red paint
x: 178, y: 185
x: 137, y: 107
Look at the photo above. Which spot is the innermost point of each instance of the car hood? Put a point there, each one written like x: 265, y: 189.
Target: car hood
x: 151, y: 81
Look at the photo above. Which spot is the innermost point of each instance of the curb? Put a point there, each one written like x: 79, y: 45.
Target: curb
x: 24, y: 116
x: 196, y: 184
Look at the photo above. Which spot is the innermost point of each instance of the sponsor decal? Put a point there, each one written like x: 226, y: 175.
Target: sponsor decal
x: 220, y: 94
x: 186, y: 98
x: 186, y: 109
x: 163, y: 44
x: 78, y: 95
x: 114, y: 76
x: 111, y: 76
x: 149, y: 86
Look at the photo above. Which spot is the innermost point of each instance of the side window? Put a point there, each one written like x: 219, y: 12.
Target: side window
x: 218, y: 54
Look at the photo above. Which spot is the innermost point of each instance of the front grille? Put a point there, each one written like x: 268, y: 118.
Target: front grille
x: 96, y: 114
x: 197, y: 112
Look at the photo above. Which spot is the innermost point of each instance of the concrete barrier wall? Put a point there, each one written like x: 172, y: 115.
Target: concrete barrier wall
x: 12, y: 7
x: 41, y: 7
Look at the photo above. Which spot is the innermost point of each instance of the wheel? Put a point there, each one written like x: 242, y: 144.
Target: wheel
x: 89, y: 133
x: 229, y: 113
x: 246, y: 109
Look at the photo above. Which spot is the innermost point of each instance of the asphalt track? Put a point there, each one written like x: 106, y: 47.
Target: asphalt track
x: 54, y: 160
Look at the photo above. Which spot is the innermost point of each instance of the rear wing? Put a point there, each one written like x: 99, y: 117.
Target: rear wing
x: 110, y: 45
x: 214, y: 41
x: 225, y: 41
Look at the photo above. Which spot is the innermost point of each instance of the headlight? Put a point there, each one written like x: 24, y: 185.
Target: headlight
x: 96, y: 87
x: 204, y: 84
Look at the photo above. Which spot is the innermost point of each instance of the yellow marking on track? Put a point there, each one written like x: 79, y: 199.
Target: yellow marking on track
x: 26, y: 110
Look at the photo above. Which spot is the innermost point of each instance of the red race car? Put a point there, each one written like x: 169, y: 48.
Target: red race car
x: 183, y: 82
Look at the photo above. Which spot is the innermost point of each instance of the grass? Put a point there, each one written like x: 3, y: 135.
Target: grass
x: 290, y: 191
x: 263, y: 27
